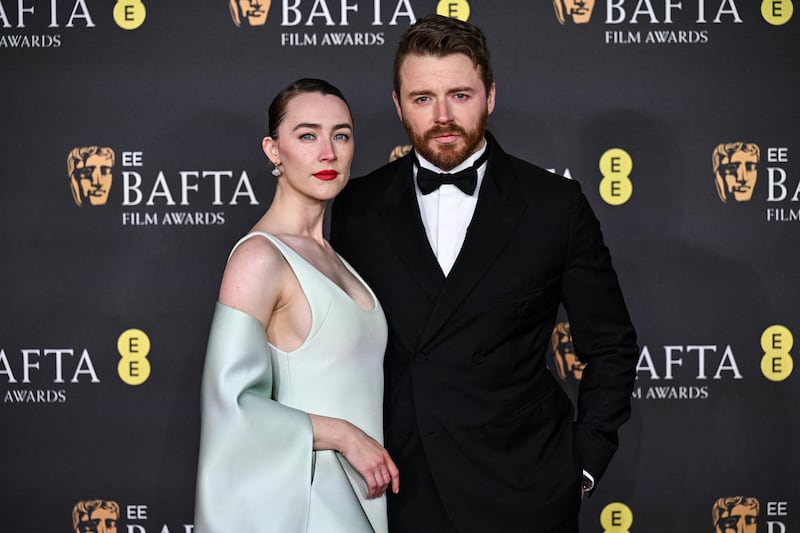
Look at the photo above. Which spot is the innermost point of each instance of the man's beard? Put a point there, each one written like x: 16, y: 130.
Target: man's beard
x: 448, y: 156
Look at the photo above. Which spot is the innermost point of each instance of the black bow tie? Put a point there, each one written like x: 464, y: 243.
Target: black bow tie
x: 466, y: 180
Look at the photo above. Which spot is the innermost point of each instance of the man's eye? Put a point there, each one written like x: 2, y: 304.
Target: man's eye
x: 422, y: 99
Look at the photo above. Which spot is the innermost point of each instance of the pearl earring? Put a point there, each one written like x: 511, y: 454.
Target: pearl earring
x: 275, y: 170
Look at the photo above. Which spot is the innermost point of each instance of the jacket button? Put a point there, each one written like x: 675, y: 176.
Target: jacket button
x: 479, y: 358
x: 420, y: 358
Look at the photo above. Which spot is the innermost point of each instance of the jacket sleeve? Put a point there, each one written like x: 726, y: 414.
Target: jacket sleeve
x: 255, y: 459
x: 603, y: 337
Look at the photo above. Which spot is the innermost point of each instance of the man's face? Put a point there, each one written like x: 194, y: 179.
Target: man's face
x: 254, y: 11
x: 93, y: 178
x: 580, y: 11
x: 444, y: 107
x: 99, y: 521
x: 739, y: 174
x: 740, y: 519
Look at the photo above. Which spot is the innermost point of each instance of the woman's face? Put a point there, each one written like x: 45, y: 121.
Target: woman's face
x: 314, y: 145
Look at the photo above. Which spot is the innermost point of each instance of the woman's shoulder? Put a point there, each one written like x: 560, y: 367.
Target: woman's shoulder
x: 254, y: 275
x: 256, y: 254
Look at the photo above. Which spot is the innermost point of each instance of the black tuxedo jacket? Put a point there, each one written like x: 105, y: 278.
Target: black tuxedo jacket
x: 465, y: 368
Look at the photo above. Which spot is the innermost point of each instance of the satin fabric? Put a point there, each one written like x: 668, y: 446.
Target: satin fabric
x: 257, y: 470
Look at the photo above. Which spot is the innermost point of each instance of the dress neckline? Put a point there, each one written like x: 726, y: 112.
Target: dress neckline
x: 329, y: 280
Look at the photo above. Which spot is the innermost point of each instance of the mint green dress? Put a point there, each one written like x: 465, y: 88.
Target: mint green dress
x: 257, y: 470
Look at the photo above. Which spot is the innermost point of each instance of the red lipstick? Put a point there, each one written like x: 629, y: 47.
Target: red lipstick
x: 326, y: 175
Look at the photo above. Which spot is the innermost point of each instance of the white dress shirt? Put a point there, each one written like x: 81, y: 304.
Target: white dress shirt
x: 447, y: 211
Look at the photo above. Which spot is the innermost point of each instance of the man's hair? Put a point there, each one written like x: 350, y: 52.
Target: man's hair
x: 277, y: 109
x: 727, y: 504
x: 439, y: 36
x: 84, y: 509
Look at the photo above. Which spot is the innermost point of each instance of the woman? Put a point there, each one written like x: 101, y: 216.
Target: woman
x: 293, y: 381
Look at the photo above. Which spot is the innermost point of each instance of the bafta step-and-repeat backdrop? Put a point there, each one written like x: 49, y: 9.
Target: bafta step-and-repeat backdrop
x: 130, y: 163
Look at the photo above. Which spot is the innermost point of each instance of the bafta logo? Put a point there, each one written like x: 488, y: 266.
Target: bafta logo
x: 95, y: 516
x: 735, y: 170
x: 399, y: 151
x: 89, y: 171
x: 573, y: 11
x: 735, y: 514
x: 249, y: 12
x: 568, y: 366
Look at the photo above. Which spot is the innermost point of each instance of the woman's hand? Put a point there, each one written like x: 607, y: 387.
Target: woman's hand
x: 364, y: 453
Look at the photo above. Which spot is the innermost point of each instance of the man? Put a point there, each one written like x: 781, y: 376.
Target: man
x: 471, y: 284
x: 89, y: 170
x: 575, y: 11
x: 737, y: 514
x: 95, y: 516
x: 736, y: 170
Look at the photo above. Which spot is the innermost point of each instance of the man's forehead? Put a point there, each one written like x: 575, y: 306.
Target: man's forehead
x: 427, y: 72
x: 458, y: 62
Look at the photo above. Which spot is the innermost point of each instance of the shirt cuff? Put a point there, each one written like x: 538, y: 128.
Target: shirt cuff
x: 588, y: 481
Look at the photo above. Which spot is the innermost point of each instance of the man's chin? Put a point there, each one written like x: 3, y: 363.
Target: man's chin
x: 446, y: 155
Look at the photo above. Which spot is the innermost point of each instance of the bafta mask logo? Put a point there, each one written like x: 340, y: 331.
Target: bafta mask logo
x: 735, y: 514
x: 736, y: 170
x: 568, y: 366
x: 573, y: 11
x: 95, y: 516
x: 399, y: 151
x: 249, y: 12
x: 89, y: 170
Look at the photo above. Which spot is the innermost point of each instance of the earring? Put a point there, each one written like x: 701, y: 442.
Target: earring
x: 275, y: 170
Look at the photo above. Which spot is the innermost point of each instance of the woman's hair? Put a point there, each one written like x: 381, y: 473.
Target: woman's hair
x: 277, y: 109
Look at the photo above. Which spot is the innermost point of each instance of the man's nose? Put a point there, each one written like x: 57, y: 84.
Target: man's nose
x: 443, y: 113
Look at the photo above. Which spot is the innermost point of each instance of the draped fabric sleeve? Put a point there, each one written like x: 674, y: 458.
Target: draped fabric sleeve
x: 255, y: 460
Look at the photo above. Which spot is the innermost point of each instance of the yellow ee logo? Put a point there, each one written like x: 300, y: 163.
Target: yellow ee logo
x: 133, y: 346
x: 456, y: 9
x: 777, y: 12
x: 616, y: 517
x: 616, y: 187
x: 129, y: 14
x: 777, y: 363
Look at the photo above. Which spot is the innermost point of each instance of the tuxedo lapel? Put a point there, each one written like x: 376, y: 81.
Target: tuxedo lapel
x: 404, y: 230
x: 497, y: 212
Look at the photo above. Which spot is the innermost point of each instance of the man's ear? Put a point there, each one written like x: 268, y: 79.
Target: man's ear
x: 396, y: 100
x: 490, y: 98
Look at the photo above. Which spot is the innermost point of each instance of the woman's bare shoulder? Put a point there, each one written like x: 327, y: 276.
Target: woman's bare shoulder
x: 254, y: 277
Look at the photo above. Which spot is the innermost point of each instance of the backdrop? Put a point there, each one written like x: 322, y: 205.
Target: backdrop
x: 130, y: 163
